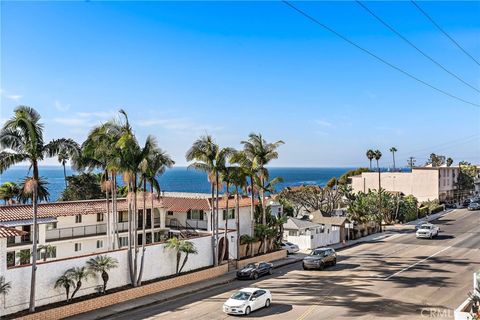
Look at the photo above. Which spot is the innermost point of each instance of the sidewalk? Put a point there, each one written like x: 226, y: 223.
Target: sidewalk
x: 175, y: 293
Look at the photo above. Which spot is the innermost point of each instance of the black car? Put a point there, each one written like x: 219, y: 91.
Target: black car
x: 319, y: 258
x: 254, y: 270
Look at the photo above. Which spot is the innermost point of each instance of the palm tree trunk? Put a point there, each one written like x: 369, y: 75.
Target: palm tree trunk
x: 370, y: 164
x: 237, y: 221
x: 225, y: 234
x: 183, y: 263
x: 34, y: 238
x: 217, y: 181
x: 264, y: 212
x: 129, y: 251
x: 152, y: 212
x: 115, y: 211
x: 67, y: 292
x: 64, y: 174
x: 179, y: 255
x: 144, y: 221
x: 108, y: 210
x: 252, y: 211
x: 393, y: 161
x: 77, y: 287
x: 212, y: 216
x: 135, y: 223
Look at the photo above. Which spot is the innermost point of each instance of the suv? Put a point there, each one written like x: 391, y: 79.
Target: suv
x: 319, y: 258
x: 427, y: 230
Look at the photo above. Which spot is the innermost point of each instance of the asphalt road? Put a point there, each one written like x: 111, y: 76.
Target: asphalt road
x: 399, y: 277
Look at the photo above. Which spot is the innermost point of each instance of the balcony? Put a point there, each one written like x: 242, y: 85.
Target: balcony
x: 76, y: 232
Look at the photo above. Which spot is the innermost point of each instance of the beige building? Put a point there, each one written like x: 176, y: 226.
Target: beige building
x: 425, y: 183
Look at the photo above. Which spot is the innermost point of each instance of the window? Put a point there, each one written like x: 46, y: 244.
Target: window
x: 292, y: 233
x: 78, y: 218
x: 123, y: 216
x: 169, y: 213
x: 78, y: 247
x: 51, y: 225
x: 231, y: 214
x: 99, y: 244
x: 195, y: 214
x: 10, y: 240
x: 10, y: 259
x: 100, y: 217
x: 123, y: 241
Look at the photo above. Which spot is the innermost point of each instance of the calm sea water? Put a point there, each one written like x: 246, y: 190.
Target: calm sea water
x: 181, y: 179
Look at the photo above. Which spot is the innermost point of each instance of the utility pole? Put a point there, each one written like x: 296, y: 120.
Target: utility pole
x: 411, y: 162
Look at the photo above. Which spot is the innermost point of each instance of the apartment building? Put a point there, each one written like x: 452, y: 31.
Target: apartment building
x: 77, y: 228
x: 425, y: 183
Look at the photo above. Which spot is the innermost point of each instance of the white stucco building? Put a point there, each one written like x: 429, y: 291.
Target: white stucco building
x: 76, y: 228
x: 425, y: 183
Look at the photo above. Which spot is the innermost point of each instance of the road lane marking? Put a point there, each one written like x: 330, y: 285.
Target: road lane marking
x: 416, y: 263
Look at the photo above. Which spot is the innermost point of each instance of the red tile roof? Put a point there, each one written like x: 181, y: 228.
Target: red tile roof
x: 70, y: 208
x: 10, y: 232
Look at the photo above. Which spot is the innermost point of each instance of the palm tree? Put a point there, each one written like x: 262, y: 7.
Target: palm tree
x: 188, y: 248
x: 175, y: 244
x: 154, y: 162
x: 65, y: 281
x: 4, y: 286
x: 377, y: 156
x: 211, y: 159
x: 393, y: 150
x: 259, y: 153
x: 239, y: 180
x: 48, y: 251
x: 226, y: 176
x: 449, y: 162
x: 9, y: 191
x: 23, y: 135
x: 24, y: 256
x: 102, y: 264
x: 370, y: 156
x: 78, y: 274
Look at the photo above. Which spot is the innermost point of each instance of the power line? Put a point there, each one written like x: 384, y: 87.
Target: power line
x: 444, y: 32
x: 306, y: 15
x: 438, y: 64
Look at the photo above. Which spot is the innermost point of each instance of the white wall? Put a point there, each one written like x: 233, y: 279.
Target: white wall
x: 159, y: 262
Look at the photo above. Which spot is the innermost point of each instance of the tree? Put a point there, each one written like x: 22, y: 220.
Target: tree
x: 435, y: 160
x: 377, y: 156
x: 393, y: 150
x: 24, y: 256
x: 175, y: 244
x: 84, y: 186
x: 101, y: 265
x: 248, y: 240
x: 65, y: 154
x: 154, y: 162
x: 187, y: 248
x: 259, y: 154
x: 65, y: 281
x: 239, y: 180
x: 4, y: 286
x: 466, y: 176
x: 370, y: 156
x: 211, y: 159
x: 8, y: 192
x: 78, y: 274
x: 48, y: 251
x: 449, y: 162
x: 23, y: 135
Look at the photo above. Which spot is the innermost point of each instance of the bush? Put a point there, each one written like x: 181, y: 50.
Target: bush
x: 423, y: 212
x: 438, y: 208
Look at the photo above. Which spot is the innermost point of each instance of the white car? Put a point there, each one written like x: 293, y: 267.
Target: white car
x: 427, y: 230
x: 290, y: 247
x: 247, y: 300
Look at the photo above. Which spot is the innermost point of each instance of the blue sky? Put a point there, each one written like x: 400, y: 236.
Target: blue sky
x: 182, y: 69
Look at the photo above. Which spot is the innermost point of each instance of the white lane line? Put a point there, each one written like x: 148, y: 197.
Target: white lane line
x: 413, y: 265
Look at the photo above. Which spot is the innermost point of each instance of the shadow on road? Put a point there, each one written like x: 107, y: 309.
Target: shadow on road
x: 275, y: 309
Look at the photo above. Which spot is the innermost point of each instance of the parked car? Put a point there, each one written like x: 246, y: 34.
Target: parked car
x: 319, y: 258
x: 290, y: 247
x: 427, y: 230
x: 254, y: 270
x: 465, y: 203
x: 247, y: 300
x: 474, y: 206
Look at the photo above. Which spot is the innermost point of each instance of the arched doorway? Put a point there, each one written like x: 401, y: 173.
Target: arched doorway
x: 223, y: 243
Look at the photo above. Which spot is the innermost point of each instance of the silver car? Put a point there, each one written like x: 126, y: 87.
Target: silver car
x: 319, y: 258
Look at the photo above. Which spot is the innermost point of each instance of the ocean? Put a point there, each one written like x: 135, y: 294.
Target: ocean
x: 181, y: 179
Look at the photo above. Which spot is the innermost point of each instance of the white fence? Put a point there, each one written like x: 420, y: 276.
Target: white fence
x: 159, y: 262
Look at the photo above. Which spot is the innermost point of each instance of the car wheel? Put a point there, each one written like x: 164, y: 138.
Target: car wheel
x: 334, y: 262
x: 267, y: 303
x: 255, y: 276
x: 247, y: 311
x: 321, y: 267
x: 270, y: 271
x: 304, y: 268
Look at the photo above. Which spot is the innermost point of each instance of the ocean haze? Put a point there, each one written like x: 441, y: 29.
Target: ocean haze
x: 182, y: 179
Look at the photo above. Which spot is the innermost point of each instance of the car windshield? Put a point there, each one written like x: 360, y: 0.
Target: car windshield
x: 290, y: 244
x: 241, y: 295
x: 319, y: 253
x: 425, y: 227
x: 251, y: 265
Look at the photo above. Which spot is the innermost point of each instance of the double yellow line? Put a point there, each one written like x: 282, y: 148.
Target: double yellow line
x: 307, y: 312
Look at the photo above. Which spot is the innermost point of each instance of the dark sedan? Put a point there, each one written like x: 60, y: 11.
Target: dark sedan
x: 254, y: 270
x: 474, y: 206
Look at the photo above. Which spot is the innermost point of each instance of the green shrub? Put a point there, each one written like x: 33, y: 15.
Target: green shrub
x: 423, y: 212
x: 438, y: 208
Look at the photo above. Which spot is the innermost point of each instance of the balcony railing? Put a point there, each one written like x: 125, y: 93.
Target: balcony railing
x: 76, y: 232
